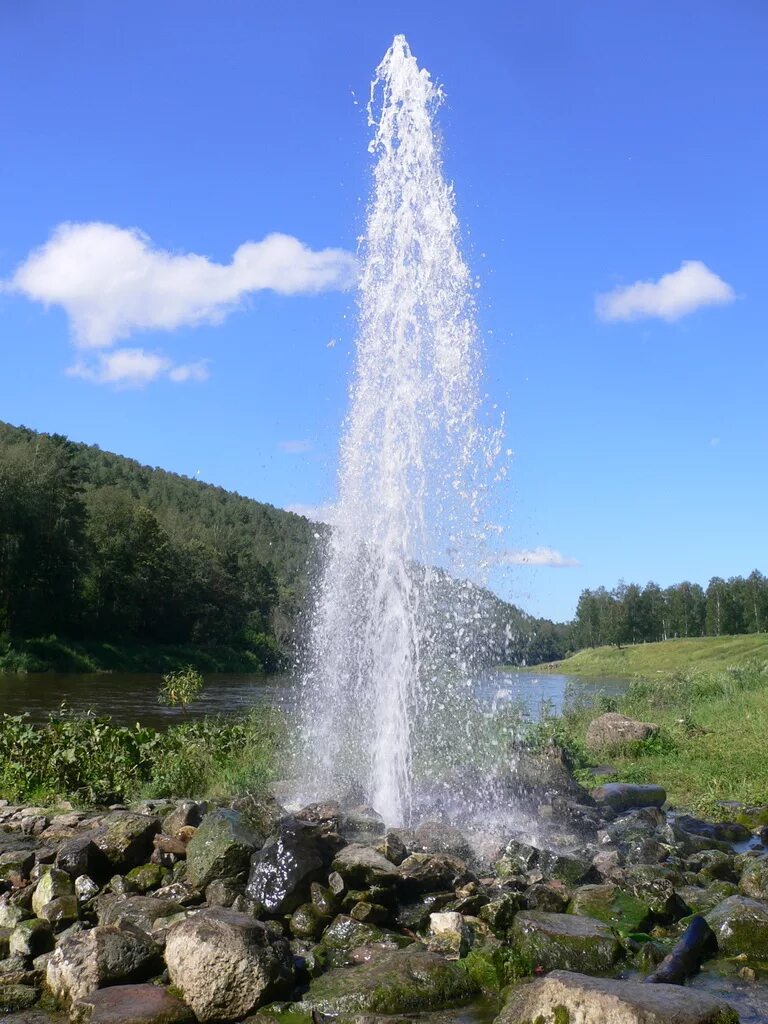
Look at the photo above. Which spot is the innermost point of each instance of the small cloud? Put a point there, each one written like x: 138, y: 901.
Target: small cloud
x: 114, y: 281
x: 295, y: 447
x: 133, y: 367
x: 671, y: 297
x: 539, y: 556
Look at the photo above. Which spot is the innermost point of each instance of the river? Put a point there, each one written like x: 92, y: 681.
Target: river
x: 130, y: 697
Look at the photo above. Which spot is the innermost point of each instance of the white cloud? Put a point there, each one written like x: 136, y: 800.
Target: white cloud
x: 133, y: 367
x: 539, y: 556
x: 112, y: 281
x: 295, y: 447
x: 673, y: 296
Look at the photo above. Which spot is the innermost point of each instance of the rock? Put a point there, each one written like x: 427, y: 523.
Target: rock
x: 563, y: 997
x: 754, y: 878
x: 424, y: 872
x: 52, y: 884
x: 403, y: 981
x: 31, y: 938
x: 702, y: 900
x: 126, y: 840
x: 131, y: 1004
x: 282, y: 872
x: 10, y: 913
x: 414, y: 914
x: 141, y: 911
x: 564, y: 941
x: 740, y: 925
x: 60, y: 911
x: 520, y: 857
x: 16, y: 862
x: 437, y: 837
x: 361, y: 822
x: 449, y: 933
x: 499, y: 912
x: 362, y: 866
x: 225, y: 965
x: 612, y: 731
x: 221, y: 847
x: 81, y: 856
x: 344, y: 934
x: 188, y: 812
x: 307, y: 922
x: 146, y: 877
x: 608, y: 903
x: 621, y: 796
x: 722, y: 831
x: 14, y: 998
x: 105, y: 955
x: 552, y: 896
x: 393, y: 848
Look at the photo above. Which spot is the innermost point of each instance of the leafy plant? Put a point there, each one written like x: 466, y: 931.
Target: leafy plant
x: 181, y: 687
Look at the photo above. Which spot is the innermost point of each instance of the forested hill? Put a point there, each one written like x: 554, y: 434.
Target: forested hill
x: 96, y: 547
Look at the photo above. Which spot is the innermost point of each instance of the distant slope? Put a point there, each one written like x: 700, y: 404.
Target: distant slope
x: 708, y: 652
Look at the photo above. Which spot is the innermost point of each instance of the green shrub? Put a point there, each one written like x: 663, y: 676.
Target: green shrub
x: 181, y: 687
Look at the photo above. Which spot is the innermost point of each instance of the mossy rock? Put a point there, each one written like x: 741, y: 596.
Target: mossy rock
x: 740, y: 925
x: 344, y: 934
x: 17, y: 997
x: 403, y: 981
x: 494, y: 967
x: 754, y: 878
x: 702, y: 900
x: 221, y: 847
x: 613, y: 906
x: 565, y: 942
x: 146, y: 877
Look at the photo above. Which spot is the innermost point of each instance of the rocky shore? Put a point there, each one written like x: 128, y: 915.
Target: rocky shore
x: 165, y: 913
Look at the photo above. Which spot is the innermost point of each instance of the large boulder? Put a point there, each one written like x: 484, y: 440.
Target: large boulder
x: 613, y: 731
x: 105, y: 955
x: 426, y: 872
x: 81, y: 856
x: 621, y: 796
x: 754, y: 878
x: 611, y: 905
x: 520, y: 857
x: 403, y: 981
x: 131, y: 1004
x: 225, y: 965
x: 126, y: 839
x: 740, y: 925
x: 563, y: 997
x: 554, y: 942
x: 362, y: 866
x: 282, y: 872
x: 221, y: 847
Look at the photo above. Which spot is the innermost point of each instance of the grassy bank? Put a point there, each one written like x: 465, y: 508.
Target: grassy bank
x: 710, y: 653
x: 90, y: 760
x: 713, y: 734
x: 52, y: 653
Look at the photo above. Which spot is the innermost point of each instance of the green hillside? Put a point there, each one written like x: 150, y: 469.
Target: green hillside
x: 707, y: 652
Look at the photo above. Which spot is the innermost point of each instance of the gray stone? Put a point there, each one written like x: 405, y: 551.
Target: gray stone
x: 126, y: 839
x: 361, y: 866
x: 565, y: 941
x: 105, y: 955
x: 740, y: 925
x: 226, y: 965
x: 221, y: 847
x: 282, y: 872
x: 613, y: 731
x: 30, y: 938
x: 621, y: 796
x: 141, y: 911
x: 426, y: 872
x: 131, y: 1004
x: 52, y: 884
x: 754, y: 878
x: 564, y: 997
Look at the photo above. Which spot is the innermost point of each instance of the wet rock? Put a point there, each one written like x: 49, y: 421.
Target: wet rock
x: 655, y: 886
x: 414, y: 915
x: 424, y: 872
x: 85, y: 889
x: 361, y: 822
x: 613, y: 731
x: 563, y: 997
x: 622, y: 796
x: 146, y: 877
x: 740, y: 925
x: 225, y: 965
x: 552, y: 896
x: 703, y: 899
x: 722, y: 831
x: 403, y: 981
x: 712, y: 866
x: 188, y: 812
x: 282, y: 872
x: 563, y: 867
x: 102, y: 956
x: 131, y: 1004
x: 500, y: 911
x: 362, y: 865
x: 608, y: 903
x: 564, y: 941
x: 126, y: 840
x: 437, y: 837
x: 221, y: 847
x: 393, y: 848
x: 344, y: 935
x: 323, y: 899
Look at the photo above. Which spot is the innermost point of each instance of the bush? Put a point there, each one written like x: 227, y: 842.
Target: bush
x: 180, y: 688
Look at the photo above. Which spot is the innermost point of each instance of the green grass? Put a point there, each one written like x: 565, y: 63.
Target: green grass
x: 53, y: 654
x: 713, y: 734
x: 707, y: 652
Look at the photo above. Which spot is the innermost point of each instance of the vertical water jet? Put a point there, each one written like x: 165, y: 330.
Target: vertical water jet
x: 389, y: 629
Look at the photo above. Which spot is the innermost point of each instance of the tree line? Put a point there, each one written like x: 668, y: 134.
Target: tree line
x: 631, y: 614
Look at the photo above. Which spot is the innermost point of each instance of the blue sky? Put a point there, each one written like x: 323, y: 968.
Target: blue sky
x: 593, y: 145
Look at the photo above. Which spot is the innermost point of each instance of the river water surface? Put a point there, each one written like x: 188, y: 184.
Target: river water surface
x: 130, y: 697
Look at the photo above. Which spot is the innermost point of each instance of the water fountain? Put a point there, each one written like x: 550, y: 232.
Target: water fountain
x: 391, y: 624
